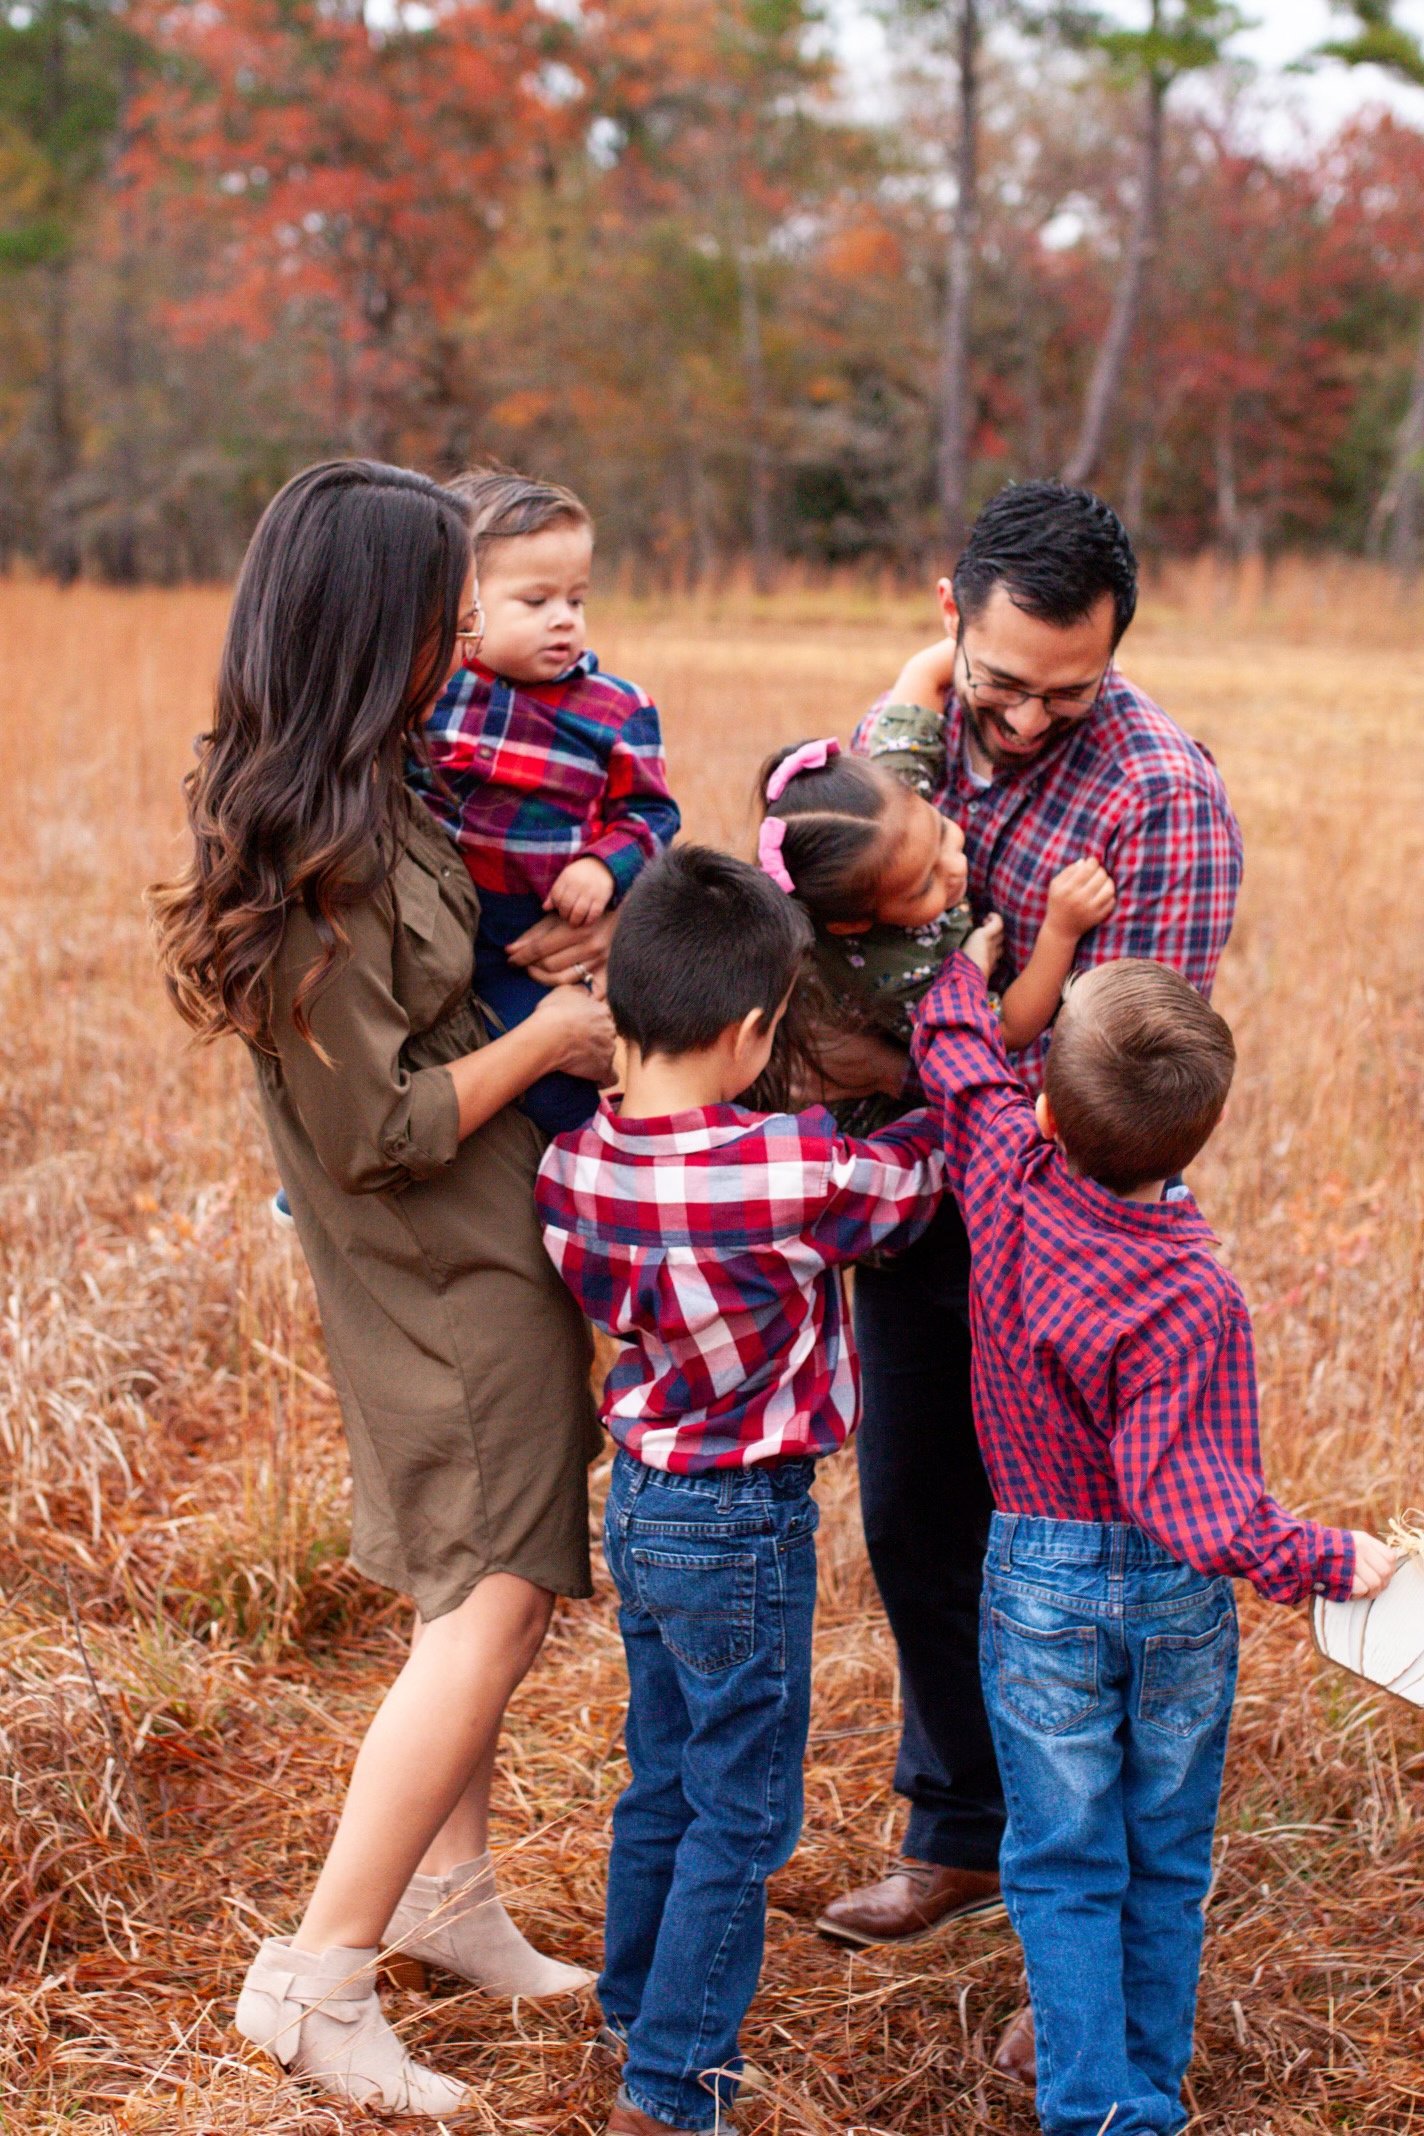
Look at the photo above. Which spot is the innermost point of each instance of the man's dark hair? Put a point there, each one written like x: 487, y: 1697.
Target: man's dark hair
x: 1056, y: 551
x: 702, y: 939
x: 1137, y: 1074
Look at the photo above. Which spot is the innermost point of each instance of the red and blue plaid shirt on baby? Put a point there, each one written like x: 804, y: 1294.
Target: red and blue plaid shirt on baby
x: 1114, y: 1370
x: 710, y: 1244
x: 540, y: 774
x: 1127, y: 787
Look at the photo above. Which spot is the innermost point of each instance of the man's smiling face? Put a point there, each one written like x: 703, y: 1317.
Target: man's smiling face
x: 1005, y: 652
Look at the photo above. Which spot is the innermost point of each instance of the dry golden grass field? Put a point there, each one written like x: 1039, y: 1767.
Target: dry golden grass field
x: 188, y: 1663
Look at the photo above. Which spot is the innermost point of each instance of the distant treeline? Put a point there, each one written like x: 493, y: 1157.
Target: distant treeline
x: 655, y: 249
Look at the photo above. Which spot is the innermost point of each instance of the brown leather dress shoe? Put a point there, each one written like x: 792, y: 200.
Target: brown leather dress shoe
x: 629, y: 2120
x: 913, y: 1901
x: 1017, y: 2055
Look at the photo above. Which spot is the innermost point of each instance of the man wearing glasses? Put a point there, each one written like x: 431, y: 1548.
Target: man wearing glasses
x: 1052, y: 756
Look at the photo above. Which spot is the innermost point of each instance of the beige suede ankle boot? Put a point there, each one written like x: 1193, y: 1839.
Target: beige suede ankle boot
x: 456, y: 1922
x: 317, y: 2014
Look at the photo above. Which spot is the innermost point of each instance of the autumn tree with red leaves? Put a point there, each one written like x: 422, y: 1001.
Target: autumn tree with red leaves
x: 656, y: 249
x: 348, y: 181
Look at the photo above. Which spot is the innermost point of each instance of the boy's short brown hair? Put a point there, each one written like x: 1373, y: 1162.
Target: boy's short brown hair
x: 1137, y: 1074
x: 504, y: 505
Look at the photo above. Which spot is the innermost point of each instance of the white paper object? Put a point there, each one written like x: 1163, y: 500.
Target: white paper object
x: 1380, y: 1638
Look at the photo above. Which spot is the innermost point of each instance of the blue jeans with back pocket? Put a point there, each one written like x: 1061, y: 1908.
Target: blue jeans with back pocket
x: 716, y: 1580
x: 1109, y: 1669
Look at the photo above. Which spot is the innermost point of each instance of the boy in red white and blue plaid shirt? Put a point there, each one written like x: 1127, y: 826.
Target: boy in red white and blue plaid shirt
x: 708, y: 1240
x: 1115, y: 1403
x: 547, y: 774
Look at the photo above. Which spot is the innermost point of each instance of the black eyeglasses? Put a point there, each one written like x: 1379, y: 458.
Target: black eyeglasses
x: 1064, y: 706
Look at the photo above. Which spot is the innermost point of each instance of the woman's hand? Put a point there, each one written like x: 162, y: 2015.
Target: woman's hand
x: 569, y: 1030
x: 578, y: 1030
x: 856, y: 1064
x: 557, y: 954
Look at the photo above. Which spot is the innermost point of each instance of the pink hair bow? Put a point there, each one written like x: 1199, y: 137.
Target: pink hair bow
x: 811, y: 756
x: 770, y: 839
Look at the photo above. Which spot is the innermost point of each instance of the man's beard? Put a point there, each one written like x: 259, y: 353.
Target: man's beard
x: 988, y: 735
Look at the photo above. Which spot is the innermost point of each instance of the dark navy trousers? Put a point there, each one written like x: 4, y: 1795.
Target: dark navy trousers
x: 926, y: 1505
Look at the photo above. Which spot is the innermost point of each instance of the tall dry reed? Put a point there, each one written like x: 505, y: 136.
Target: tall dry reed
x: 187, y: 1661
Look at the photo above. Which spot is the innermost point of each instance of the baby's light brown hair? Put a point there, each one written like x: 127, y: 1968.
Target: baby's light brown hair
x: 504, y: 505
x: 1137, y: 1074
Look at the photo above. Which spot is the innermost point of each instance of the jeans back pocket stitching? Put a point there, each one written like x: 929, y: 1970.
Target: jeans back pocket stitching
x: 740, y: 1619
x: 1091, y: 1688
x: 1221, y: 1636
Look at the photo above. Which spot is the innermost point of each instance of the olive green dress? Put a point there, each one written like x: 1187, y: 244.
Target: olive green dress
x: 461, y: 1361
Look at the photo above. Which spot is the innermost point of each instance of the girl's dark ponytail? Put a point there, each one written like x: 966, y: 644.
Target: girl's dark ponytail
x: 831, y: 848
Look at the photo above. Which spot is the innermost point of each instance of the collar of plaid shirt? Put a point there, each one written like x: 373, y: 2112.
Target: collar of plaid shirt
x: 586, y: 664
x: 696, y: 1127
x: 1175, y: 1216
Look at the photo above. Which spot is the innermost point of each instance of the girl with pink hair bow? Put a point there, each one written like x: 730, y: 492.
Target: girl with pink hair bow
x: 883, y: 876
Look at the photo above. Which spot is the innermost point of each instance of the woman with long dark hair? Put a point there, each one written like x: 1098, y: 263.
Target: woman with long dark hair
x: 325, y: 919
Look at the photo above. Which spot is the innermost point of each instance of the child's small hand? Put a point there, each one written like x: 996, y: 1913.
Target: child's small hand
x: 1079, y: 897
x: 926, y: 676
x: 1374, y: 1565
x: 985, y: 945
x: 582, y: 891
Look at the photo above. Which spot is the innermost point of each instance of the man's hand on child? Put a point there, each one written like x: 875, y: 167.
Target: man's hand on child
x: 1374, y: 1565
x: 985, y: 945
x: 1079, y: 896
x: 926, y: 677
x: 582, y: 891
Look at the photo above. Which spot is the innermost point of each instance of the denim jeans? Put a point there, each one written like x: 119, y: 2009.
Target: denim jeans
x: 925, y: 1504
x: 716, y: 1580
x: 1109, y: 1669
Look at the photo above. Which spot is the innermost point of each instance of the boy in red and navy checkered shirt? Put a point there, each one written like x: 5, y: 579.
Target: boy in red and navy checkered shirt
x: 1115, y: 1402
x: 547, y: 773
x: 708, y: 1240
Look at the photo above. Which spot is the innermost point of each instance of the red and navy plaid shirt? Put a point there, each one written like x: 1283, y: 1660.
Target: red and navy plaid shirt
x: 1126, y: 787
x: 540, y: 774
x: 710, y: 1244
x: 1114, y: 1370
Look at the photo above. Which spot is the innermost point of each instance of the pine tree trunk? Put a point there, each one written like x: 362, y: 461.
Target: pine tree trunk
x: 1134, y: 488
x: 1398, y: 507
x: 754, y: 372
x: 61, y: 447
x: 1105, y: 385
x: 954, y: 405
x: 61, y: 453
x: 1228, y: 507
x: 1035, y: 423
x: 125, y: 562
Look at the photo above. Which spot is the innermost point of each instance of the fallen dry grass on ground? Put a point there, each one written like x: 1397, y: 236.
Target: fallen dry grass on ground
x: 187, y: 1662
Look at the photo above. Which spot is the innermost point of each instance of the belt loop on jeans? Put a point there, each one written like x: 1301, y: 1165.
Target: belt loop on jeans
x: 726, y: 1484
x: 1008, y: 1529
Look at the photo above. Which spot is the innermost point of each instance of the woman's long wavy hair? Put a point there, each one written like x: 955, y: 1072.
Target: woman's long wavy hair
x: 342, y: 632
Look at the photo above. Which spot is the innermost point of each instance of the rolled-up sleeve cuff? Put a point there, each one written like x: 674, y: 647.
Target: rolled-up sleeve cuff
x: 428, y: 1136
x: 623, y: 856
x: 1332, y: 1563
x: 1303, y: 1559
